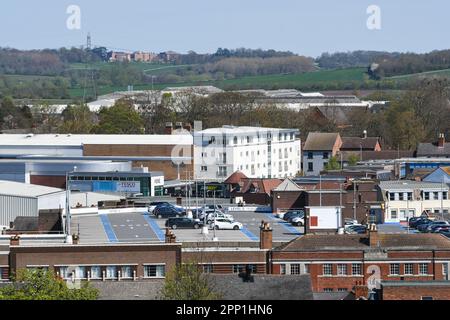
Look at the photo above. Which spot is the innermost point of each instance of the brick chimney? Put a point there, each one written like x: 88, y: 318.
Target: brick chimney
x: 265, y: 236
x: 361, y: 291
x: 441, y: 140
x: 170, y: 237
x: 169, y: 128
x: 373, y: 236
x: 15, y: 240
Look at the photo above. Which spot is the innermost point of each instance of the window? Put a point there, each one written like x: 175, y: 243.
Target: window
x: 342, y: 290
x: 63, y: 272
x: 327, y: 269
x: 342, y: 269
x: 328, y: 290
x: 126, y: 272
x: 426, y: 195
x: 401, y: 196
x: 325, y: 155
x: 282, y: 269
x: 393, y: 214
x: 445, y: 268
x: 111, y: 272
x: 356, y: 269
x: 155, y: 271
x: 423, y: 268
x: 80, y: 273
x: 409, y: 269
x: 307, y: 268
x: 96, y: 272
x: 208, y: 268
x: 394, y: 269
x: 426, y: 298
x: 445, y: 195
x: 310, y: 166
x: 310, y: 155
x: 238, y: 268
x: 204, y: 168
x: 392, y: 196
x: 435, y: 195
x: 235, y: 140
x: 295, y: 269
x: 410, y: 196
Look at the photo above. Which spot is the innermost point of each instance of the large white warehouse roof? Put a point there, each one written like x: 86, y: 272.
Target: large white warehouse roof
x: 18, y: 189
x: 77, y: 140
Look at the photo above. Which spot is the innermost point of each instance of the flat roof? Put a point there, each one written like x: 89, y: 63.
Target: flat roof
x: 76, y: 140
x: 19, y: 189
x: 238, y: 130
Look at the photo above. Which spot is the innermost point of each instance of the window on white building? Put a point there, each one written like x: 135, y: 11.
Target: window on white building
x: 391, y: 196
x: 426, y: 195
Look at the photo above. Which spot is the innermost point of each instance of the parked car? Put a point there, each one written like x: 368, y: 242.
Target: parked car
x: 218, y: 215
x: 155, y: 204
x: 412, y: 222
x: 419, y: 222
x: 356, y: 229
x: 350, y: 222
x: 183, y: 223
x: 440, y: 228
x: 288, y: 214
x: 426, y: 227
x: 298, y: 221
x: 168, y: 211
x: 226, y: 224
x: 435, y: 225
x: 293, y: 216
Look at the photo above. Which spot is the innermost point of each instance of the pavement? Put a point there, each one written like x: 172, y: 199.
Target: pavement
x: 136, y: 227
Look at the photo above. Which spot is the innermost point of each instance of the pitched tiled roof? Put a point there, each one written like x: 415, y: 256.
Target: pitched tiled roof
x: 355, y: 143
x: 263, y: 185
x: 361, y: 242
x: 235, y: 178
x: 432, y: 150
x: 288, y: 185
x: 320, y: 141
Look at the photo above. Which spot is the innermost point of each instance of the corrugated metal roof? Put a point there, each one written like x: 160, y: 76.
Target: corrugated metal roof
x: 77, y: 140
x: 18, y: 189
x: 407, y: 184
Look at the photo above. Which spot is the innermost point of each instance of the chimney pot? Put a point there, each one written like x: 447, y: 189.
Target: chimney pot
x: 265, y: 236
x: 441, y: 141
x: 15, y: 240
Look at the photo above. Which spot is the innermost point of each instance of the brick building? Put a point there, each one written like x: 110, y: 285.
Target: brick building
x: 341, y: 262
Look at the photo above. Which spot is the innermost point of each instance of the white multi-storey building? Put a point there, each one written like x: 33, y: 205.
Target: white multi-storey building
x: 256, y: 152
x: 406, y: 199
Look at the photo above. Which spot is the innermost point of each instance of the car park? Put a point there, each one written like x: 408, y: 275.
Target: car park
x: 168, y: 211
x: 183, y: 223
x: 226, y: 224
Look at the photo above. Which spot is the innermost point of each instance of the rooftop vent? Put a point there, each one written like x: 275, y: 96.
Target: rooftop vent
x: 30, y: 135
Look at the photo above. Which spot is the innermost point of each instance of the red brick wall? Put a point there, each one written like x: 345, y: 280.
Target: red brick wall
x: 415, y: 292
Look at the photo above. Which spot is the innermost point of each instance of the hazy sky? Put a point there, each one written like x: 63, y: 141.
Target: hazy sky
x: 305, y: 27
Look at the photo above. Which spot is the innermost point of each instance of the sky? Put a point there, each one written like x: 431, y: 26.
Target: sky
x: 304, y: 27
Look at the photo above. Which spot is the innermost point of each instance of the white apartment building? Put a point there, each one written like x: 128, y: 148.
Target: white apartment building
x: 407, y: 199
x: 256, y: 152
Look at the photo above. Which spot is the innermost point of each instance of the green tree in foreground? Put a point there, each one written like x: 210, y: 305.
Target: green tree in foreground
x: 122, y: 118
x: 44, y: 285
x: 333, y: 164
x: 353, y: 160
x: 187, y: 282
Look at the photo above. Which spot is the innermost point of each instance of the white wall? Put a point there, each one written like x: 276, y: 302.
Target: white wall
x: 328, y: 217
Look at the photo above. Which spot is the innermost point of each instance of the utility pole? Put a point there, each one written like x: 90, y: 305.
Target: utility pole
x: 354, y: 199
x: 320, y: 189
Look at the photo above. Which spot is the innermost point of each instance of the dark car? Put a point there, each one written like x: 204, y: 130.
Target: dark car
x: 419, y: 222
x: 356, y: 229
x: 167, y: 212
x: 183, y: 223
x: 437, y: 225
x: 296, y: 215
x: 426, y: 227
x: 412, y: 222
x: 288, y: 214
x: 440, y: 228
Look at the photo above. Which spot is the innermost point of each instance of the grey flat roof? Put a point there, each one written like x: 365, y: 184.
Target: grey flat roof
x: 406, y: 184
